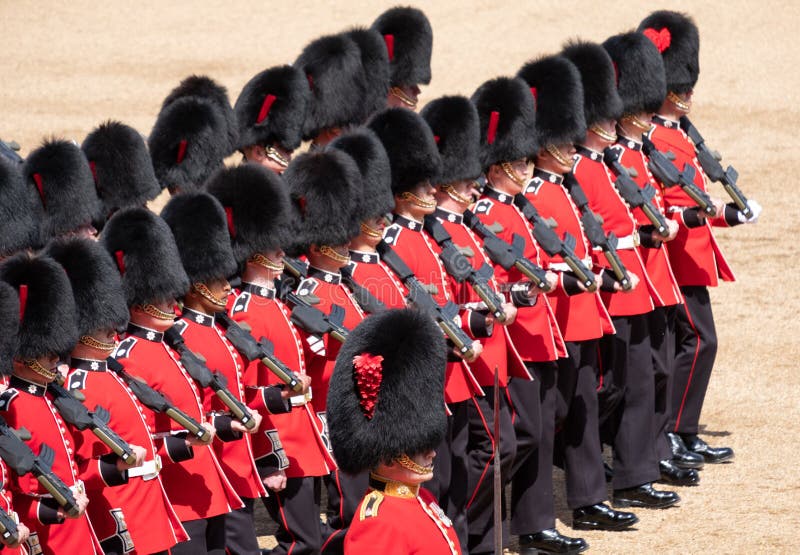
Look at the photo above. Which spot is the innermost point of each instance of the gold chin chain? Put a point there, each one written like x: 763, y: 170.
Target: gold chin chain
x: 202, y: 290
x: 678, y: 101
x: 512, y: 175
x: 414, y: 199
x: 272, y: 153
x: 33, y: 364
x: 333, y: 255
x: 156, y: 312
x: 636, y: 122
x: 404, y: 461
x: 558, y: 155
x: 602, y: 133
x: 455, y: 195
x: 265, y: 262
x: 397, y: 92
x: 370, y: 231
x: 93, y: 343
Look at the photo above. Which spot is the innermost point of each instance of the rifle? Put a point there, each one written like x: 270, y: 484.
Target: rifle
x: 366, y: 300
x: 507, y: 255
x: 314, y: 321
x: 294, y: 271
x: 594, y: 232
x: 666, y: 172
x: 199, y: 371
x: 76, y: 413
x: 710, y: 162
x: 21, y: 459
x: 633, y: 195
x: 552, y: 245
x: 157, y: 402
x: 417, y: 293
x: 262, y: 350
x: 8, y: 528
x: 457, y: 265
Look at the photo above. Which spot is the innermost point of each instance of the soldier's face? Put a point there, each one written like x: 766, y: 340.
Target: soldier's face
x: 420, y: 202
x: 404, y: 96
x: 374, y: 230
x: 402, y: 473
x: 272, y: 157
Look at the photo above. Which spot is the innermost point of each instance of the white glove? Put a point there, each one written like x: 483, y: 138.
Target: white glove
x: 755, y: 208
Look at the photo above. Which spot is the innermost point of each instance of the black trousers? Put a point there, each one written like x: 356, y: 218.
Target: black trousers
x: 206, y: 536
x: 345, y: 492
x: 240, y: 530
x: 696, y: 349
x: 295, y: 509
x: 578, y: 436
x: 481, y: 448
x: 626, y: 361
x: 662, y: 342
x: 532, y: 508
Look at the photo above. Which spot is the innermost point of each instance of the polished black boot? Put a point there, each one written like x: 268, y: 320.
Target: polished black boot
x: 674, y: 475
x: 602, y: 517
x: 550, y: 541
x: 646, y: 497
x: 712, y: 455
x: 681, y: 456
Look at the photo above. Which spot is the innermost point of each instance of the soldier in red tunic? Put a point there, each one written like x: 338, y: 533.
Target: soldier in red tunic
x: 641, y: 84
x: 47, y: 331
x: 199, y: 226
x: 136, y: 514
x: 625, y: 357
x: 142, y: 245
x: 387, y: 417
x: 454, y: 122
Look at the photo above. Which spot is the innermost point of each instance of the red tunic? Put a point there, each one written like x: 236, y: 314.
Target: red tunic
x: 26, y: 404
x: 582, y: 316
x: 371, y: 273
x: 421, y: 253
x: 392, y: 525
x: 152, y: 524
x: 535, y: 332
x: 303, y: 436
x: 604, y: 200
x: 5, y: 504
x: 499, y: 351
x: 695, y: 255
x: 197, y: 487
x: 656, y: 260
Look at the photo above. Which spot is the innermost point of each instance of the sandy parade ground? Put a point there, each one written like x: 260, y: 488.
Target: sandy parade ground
x: 67, y: 66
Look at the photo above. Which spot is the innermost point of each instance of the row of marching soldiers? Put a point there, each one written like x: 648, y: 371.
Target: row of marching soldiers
x: 555, y: 228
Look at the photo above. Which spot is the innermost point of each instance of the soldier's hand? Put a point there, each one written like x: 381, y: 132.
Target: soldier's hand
x: 81, y: 500
x: 194, y: 440
x: 237, y: 426
x: 139, y: 452
x: 672, y: 227
x: 511, y: 313
x: 305, y: 380
x: 477, y: 349
x: 552, y: 281
x: 23, y: 532
x: 634, y: 279
x: 719, y: 206
x: 275, y: 481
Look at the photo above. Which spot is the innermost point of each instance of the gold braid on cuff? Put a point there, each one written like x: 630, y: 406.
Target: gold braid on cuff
x: 333, y: 255
x: 34, y: 365
x: 404, y: 461
x: 397, y: 92
x: 202, y: 290
x: 90, y: 341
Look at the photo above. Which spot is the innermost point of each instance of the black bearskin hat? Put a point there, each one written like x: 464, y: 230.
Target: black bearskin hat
x: 556, y: 85
x: 96, y: 285
x: 200, y: 228
x: 256, y: 203
x: 272, y: 108
x: 60, y: 174
x: 641, y: 82
x: 375, y: 68
x: 46, y: 307
x: 121, y: 165
x: 454, y: 122
x: 600, y: 98
x: 203, y: 86
x: 9, y: 326
x: 409, y: 142
x: 144, y: 250
x: 385, y: 394
x: 188, y: 143
x: 332, y: 66
x: 369, y: 155
x: 409, y: 42
x: 507, y: 116
x: 20, y: 210
x: 324, y: 186
x: 677, y: 38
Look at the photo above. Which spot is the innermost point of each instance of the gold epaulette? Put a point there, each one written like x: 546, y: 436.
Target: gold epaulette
x: 370, y: 505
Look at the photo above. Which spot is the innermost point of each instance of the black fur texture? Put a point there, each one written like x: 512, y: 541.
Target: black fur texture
x: 20, y: 210
x: 516, y: 136
x: 413, y: 44
x: 375, y: 70
x: 682, y: 57
x: 200, y: 228
x: 559, y: 99
x: 641, y: 82
x: 9, y: 326
x: 600, y: 98
x: 153, y: 272
x: 409, y: 416
x: 95, y: 281
x: 409, y: 142
x: 455, y: 126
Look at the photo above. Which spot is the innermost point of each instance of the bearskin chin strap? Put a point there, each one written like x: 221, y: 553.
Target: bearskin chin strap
x: 325, y: 250
x: 602, y: 133
x: 398, y: 93
x: 272, y: 153
x: 203, y: 290
x: 93, y: 343
x: 558, y: 155
x: 414, y: 199
x: 156, y: 312
x: 455, y: 195
x: 404, y: 461
x: 370, y: 231
x: 681, y: 104
x: 512, y: 175
x: 636, y: 122
x: 266, y: 262
x: 34, y: 365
